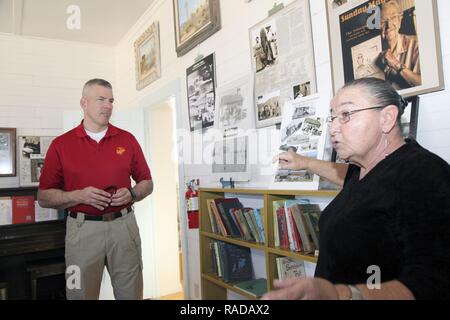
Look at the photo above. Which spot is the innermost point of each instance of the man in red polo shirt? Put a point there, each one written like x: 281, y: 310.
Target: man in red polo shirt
x: 87, y: 171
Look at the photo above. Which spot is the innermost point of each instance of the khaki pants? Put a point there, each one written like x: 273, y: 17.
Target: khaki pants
x: 90, y: 245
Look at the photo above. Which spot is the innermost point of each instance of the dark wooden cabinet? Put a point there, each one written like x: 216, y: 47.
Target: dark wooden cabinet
x: 22, y: 245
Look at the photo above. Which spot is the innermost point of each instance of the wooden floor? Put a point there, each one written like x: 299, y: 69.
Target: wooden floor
x: 175, y: 296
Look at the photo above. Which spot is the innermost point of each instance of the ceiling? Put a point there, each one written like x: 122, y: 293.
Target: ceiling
x: 102, y: 21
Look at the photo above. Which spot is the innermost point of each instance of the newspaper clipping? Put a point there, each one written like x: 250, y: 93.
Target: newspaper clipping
x: 235, y: 107
x: 302, y: 131
x: 282, y: 61
x: 32, y: 151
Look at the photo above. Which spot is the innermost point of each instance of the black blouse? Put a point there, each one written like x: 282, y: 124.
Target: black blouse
x: 396, y: 218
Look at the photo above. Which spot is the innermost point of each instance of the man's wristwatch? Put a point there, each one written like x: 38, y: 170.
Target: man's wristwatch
x: 133, y: 194
x: 400, y: 69
x: 356, y: 293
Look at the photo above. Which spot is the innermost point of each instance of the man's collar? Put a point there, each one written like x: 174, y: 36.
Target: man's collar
x: 81, y: 132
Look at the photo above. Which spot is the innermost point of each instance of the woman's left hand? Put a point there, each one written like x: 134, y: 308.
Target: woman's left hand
x: 302, y: 289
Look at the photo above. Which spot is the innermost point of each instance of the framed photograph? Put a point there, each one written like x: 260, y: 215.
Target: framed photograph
x: 409, y: 118
x: 7, y: 152
x: 195, y: 21
x: 394, y: 40
x: 282, y: 56
x: 147, y: 57
x: 200, y: 80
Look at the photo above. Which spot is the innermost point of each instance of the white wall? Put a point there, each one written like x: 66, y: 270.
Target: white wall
x: 40, y: 78
x: 232, y: 52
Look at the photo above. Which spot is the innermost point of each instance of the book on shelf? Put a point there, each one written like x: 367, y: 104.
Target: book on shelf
x: 312, y: 213
x: 290, y: 268
x: 303, y: 230
x: 22, y: 209
x: 260, y: 224
x: 224, y: 205
x: 254, y: 287
x: 244, y: 227
x: 236, y: 262
x: 249, y: 217
x: 44, y: 214
x: 5, y: 211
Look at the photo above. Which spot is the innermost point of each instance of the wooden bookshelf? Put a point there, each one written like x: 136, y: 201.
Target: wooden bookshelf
x: 214, y: 287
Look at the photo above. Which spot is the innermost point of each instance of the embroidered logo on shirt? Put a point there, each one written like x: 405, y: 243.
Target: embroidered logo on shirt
x: 120, y: 150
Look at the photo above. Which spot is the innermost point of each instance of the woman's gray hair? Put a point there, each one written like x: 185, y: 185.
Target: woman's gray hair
x: 382, y: 93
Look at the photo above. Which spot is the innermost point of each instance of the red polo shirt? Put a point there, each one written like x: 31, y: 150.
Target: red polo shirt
x: 75, y: 161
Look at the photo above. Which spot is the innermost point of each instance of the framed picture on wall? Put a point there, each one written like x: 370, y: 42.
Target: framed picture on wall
x: 147, y: 57
x: 395, y: 40
x: 195, y: 21
x: 7, y: 152
x: 200, y: 81
x: 409, y: 118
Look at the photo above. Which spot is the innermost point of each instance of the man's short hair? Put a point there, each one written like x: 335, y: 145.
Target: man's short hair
x: 95, y: 82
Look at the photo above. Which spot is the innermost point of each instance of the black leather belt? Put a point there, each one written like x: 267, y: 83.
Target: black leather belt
x: 110, y: 216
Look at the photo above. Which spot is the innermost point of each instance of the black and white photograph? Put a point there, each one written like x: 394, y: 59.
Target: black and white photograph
x: 269, y: 107
x: 292, y: 128
x: 29, y: 146
x: 409, y: 118
x: 230, y: 159
x: 312, y: 127
x: 234, y: 107
x: 36, y: 168
x: 394, y: 40
x: 302, y: 90
x: 337, y: 3
x: 293, y: 176
x: 201, y: 93
x: 265, y: 48
x: 304, y: 111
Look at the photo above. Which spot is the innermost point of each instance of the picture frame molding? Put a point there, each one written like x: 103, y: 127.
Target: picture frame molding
x: 13, y: 151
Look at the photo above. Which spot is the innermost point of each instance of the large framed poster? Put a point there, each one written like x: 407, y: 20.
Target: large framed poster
x: 395, y: 40
x: 282, y: 60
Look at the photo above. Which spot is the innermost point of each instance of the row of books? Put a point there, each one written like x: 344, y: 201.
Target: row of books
x: 296, y: 225
x: 231, y: 262
x: 234, y: 265
x: 229, y: 217
x: 24, y: 209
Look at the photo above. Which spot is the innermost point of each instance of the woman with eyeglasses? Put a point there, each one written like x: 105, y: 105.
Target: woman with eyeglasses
x: 386, y: 235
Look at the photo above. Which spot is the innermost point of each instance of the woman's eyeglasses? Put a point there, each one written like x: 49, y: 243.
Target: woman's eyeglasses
x: 344, y: 116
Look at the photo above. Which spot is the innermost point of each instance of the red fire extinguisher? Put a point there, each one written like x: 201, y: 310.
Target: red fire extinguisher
x: 192, y: 203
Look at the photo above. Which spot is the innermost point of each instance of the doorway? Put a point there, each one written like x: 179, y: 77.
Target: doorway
x: 163, y: 155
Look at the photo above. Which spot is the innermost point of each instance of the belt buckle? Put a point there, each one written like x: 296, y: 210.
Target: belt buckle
x: 108, y: 217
